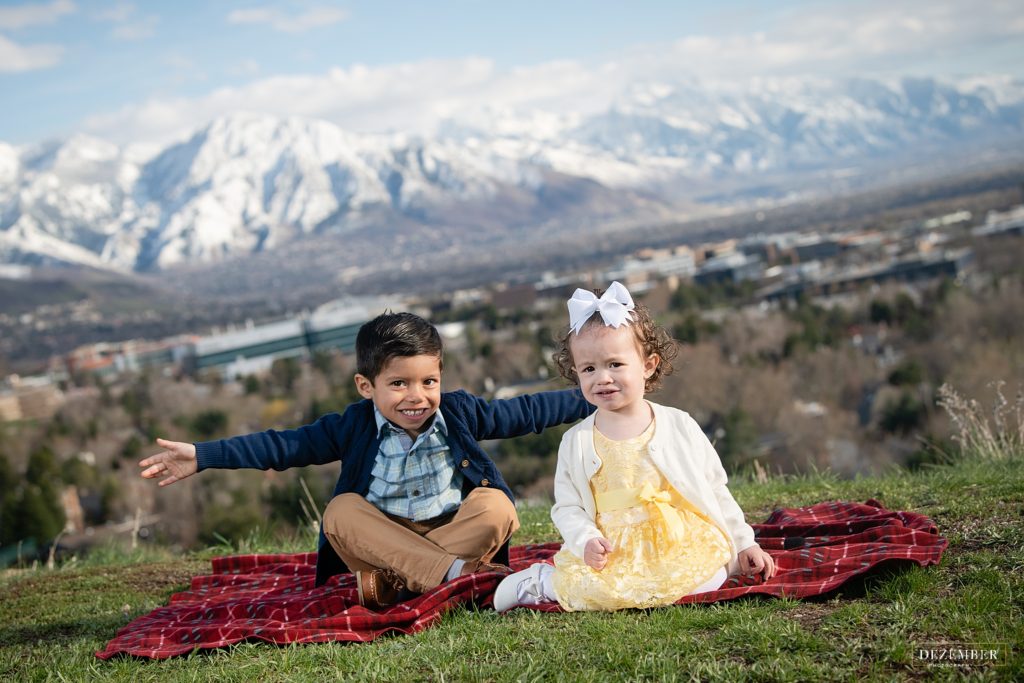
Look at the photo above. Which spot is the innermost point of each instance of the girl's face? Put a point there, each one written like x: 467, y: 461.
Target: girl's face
x: 611, y: 370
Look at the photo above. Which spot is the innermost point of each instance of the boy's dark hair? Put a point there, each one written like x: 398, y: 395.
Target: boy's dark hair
x: 394, y: 334
x: 650, y: 337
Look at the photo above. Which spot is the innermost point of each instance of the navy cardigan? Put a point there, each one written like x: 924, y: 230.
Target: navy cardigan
x: 353, y: 439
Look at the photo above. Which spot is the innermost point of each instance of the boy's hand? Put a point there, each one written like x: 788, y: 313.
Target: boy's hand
x: 177, y: 461
x: 754, y: 561
x: 595, y: 553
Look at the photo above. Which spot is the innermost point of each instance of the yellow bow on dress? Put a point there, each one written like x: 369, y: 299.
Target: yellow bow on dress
x: 620, y: 499
x: 662, y: 502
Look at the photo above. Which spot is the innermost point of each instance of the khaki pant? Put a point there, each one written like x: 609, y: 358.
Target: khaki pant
x: 420, y: 552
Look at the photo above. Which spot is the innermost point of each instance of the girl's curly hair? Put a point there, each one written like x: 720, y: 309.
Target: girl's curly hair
x: 651, y: 337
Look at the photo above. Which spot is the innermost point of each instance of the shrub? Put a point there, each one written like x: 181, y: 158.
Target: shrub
x: 209, y: 423
x: 8, y: 480
x: 251, y: 384
x: 283, y: 374
x: 132, y: 448
x: 740, y: 438
x: 903, y: 415
x: 230, y: 522
x: 908, y: 373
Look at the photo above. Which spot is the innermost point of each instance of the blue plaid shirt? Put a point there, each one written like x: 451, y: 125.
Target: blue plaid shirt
x: 417, y: 481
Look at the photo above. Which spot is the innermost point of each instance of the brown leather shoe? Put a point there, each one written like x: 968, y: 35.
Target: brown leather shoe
x: 378, y: 588
x: 481, y: 566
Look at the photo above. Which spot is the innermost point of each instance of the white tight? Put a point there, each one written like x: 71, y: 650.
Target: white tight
x: 712, y: 584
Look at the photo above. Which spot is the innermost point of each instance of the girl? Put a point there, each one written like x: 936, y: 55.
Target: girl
x: 640, y: 494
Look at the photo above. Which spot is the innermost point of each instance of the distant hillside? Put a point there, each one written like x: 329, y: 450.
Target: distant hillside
x: 248, y: 184
x: 58, y: 309
x: 311, y: 270
x: 107, y: 292
x: 20, y: 296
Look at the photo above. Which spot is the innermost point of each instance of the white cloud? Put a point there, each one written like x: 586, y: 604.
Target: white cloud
x: 403, y: 96
x: 178, y: 61
x: 139, y: 29
x: 247, y: 68
x: 855, y: 39
x: 20, y: 16
x: 15, y: 58
x: 852, y: 38
x: 315, y: 17
x: 183, y: 69
x: 128, y: 25
x: 117, y: 13
x: 410, y: 97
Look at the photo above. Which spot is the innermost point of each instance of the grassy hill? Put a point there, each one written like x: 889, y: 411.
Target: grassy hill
x: 51, y: 621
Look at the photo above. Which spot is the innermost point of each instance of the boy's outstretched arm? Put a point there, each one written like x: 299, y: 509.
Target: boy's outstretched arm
x: 504, y: 418
x: 174, y: 463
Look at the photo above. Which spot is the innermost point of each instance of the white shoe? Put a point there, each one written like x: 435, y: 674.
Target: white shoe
x: 524, y: 587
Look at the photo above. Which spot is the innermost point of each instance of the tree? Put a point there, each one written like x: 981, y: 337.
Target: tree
x: 905, y: 308
x: 232, y: 521
x: 42, y: 467
x: 881, y: 312
x: 10, y: 515
x: 31, y: 509
x: 284, y: 372
x: 8, y: 481
x: 287, y: 501
x: 79, y: 473
x: 331, y: 364
x: 903, y: 415
x: 688, y: 331
x: 110, y: 494
x: 209, y: 423
x: 39, y: 516
x: 739, y: 439
x: 337, y: 401
x: 907, y: 373
x: 251, y: 384
x: 136, y: 400
x: 8, y: 489
x: 132, y: 448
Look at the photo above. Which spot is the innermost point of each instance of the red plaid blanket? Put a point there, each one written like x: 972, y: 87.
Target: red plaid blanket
x: 272, y: 598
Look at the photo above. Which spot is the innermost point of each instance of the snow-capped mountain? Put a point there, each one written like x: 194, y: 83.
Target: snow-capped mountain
x: 250, y: 183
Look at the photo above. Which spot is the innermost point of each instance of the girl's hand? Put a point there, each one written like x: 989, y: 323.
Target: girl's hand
x: 175, y: 462
x: 754, y: 561
x: 595, y: 553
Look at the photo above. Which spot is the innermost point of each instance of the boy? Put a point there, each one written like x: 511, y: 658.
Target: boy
x: 418, y: 502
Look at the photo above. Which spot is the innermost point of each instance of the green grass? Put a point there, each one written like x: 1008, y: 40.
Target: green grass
x: 51, y: 622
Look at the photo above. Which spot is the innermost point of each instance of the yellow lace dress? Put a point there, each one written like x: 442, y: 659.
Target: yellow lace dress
x: 662, y: 548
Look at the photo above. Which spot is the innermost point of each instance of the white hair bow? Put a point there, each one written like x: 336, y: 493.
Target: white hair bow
x: 614, y: 306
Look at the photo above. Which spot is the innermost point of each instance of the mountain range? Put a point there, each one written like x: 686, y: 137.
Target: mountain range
x: 254, y: 184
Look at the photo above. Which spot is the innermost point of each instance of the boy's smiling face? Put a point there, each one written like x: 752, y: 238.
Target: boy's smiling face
x: 407, y: 391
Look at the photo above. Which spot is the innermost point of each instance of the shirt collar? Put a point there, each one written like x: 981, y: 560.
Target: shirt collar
x: 383, y: 424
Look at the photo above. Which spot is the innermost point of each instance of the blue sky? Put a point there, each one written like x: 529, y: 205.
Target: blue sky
x: 150, y: 72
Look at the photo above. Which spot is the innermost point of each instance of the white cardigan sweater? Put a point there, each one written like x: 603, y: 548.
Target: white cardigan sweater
x: 682, y: 453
